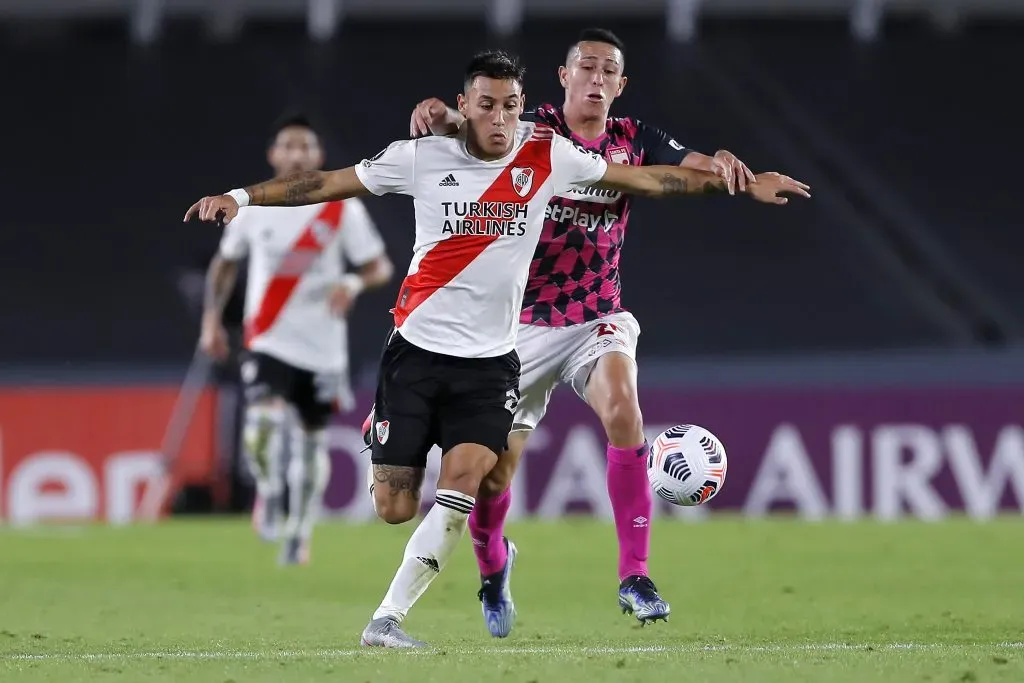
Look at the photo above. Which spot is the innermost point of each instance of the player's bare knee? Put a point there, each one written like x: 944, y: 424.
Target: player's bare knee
x: 464, y: 467
x: 395, y: 510
x: 623, y: 422
x: 464, y: 481
x: 396, y: 492
x: 611, y: 392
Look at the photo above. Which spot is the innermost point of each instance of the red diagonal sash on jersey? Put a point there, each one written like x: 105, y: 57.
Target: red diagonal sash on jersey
x: 284, y: 282
x: 448, y: 258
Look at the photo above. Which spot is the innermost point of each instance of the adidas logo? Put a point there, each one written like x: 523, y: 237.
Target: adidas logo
x: 449, y: 181
x: 430, y: 562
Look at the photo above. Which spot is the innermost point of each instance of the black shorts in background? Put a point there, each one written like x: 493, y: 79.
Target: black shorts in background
x: 426, y: 398
x: 315, y: 396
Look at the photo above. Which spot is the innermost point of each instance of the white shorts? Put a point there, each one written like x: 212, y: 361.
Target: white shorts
x: 550, y: 355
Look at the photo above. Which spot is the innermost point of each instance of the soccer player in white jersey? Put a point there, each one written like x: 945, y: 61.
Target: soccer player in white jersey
x: 295, y: 335
x: 449, y: 373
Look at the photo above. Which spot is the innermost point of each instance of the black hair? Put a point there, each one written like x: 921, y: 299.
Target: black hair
x: 600, y: 35
x: 494, y: 64
x: 293, y: 119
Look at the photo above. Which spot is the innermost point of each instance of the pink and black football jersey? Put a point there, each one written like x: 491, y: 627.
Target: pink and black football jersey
x: 574, y: 275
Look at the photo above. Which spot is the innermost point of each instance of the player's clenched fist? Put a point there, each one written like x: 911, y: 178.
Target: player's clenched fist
x: 213, y: 338
x: 768, y: 186
x: 208, y: 209
x: 429, y: 115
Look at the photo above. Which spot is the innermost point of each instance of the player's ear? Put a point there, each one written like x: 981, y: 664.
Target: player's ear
x: 461, y: 103
x: 563, y: 76
x: 522, y: 102
x: 622, y: 85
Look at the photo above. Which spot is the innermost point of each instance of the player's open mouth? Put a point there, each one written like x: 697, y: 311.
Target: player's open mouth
x: 596, y: 97
x: 498, y: 137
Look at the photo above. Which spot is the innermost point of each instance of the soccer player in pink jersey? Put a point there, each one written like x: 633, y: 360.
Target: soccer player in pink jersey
x: 573, y: 328
x: 449, y: 373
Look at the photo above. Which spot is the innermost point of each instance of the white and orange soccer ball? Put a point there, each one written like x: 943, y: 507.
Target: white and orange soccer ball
x: 686, y: 465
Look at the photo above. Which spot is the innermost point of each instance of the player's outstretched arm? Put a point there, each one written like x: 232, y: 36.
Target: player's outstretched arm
x: 665, y: 181
x: 307, y: 187
x: 660, y: 181
x: 296, y: 189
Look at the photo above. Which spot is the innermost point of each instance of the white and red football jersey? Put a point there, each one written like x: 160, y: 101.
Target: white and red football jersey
x: 477, y: 225
x: 296, y: 255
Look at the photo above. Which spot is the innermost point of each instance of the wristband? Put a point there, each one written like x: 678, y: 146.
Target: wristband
x: 353, y: 283
x: 240, y: 196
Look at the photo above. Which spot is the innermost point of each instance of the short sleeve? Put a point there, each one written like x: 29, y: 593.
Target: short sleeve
x: 658, y: 147
x: 234, y: 243
x: 574, y: 167
x: 391, y: 171
x: 546, y: 115
x: 360, y: 241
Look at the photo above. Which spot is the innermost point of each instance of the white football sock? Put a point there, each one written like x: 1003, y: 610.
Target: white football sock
x: 308, y: 473
x: 264, y: 445
x: 427, y: 552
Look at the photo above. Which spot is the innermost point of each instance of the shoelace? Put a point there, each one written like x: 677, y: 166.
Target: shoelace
x: 645, y: 587
x: 491, y: 589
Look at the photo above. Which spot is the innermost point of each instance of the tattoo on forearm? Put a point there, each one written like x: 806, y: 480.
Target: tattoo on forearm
x: 673, y: 184
x: 716, y: 186
x: 300, y: 185
x: 401, y: 481
x: 294, y: 189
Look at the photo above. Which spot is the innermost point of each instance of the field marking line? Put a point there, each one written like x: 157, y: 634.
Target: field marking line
x: 273, y: 655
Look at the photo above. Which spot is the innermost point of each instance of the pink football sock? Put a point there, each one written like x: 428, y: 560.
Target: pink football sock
x: 487, y: 529
x: 630, y: 494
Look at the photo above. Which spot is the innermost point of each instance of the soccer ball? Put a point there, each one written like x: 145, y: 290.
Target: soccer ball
x: 686, y: 465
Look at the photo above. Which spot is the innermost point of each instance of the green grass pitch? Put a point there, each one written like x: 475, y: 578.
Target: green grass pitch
x: 765, y: 601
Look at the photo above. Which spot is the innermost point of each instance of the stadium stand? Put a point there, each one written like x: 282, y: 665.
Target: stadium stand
x: 703, y: 276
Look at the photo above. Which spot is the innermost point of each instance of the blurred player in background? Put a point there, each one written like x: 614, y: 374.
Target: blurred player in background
x: 573, y: 328
x: 296, y: 356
